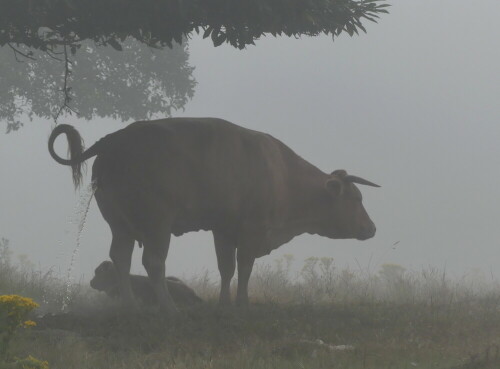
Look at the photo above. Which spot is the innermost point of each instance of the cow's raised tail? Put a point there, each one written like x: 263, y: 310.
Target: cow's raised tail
x: 77, y: 156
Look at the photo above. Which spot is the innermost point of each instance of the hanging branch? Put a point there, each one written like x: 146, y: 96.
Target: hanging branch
x: 66, y: 89
x: 67, y: 72
x: 101, y: 80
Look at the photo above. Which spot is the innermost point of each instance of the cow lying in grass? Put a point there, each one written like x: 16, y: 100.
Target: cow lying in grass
x: 106, y: 280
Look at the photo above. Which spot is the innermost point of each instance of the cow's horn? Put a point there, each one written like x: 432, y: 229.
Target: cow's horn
x: 355, y: 179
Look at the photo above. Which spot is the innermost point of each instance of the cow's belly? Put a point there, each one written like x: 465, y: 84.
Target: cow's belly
x: 203, y: 219
x: 263, y: 239
x: 178, y: 229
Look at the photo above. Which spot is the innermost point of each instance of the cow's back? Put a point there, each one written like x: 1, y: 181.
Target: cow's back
x: 200, y: 171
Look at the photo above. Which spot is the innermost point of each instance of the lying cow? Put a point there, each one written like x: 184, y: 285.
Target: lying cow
x: 156, y: 178
x: 106, y: 280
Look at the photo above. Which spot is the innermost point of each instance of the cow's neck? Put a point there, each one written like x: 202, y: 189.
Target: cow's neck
x: 301, y: 211
x: 306, y: 198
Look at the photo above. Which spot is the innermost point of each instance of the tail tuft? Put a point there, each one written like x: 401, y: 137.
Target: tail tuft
x: 76, y: 146
x: 75, y: 150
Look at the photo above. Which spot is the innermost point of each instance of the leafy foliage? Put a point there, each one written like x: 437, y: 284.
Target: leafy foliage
x: 134, y: 83
x: 139, y: 85
x: 43, y: 24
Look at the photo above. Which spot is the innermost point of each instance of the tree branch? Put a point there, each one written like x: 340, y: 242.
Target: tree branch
x: 17, y: 51
x: 53, y: 54
x: 66, y: 89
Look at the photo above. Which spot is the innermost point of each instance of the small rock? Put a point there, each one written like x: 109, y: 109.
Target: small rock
x: 341, y: 347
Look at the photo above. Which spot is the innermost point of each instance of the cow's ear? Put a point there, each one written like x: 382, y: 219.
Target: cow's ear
x: 334, y: 186
x: 339, y: 173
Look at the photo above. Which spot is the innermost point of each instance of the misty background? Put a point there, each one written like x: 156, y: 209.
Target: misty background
x: 413, y: 106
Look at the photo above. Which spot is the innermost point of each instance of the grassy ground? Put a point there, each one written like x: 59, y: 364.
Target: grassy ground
x: 323, y: 318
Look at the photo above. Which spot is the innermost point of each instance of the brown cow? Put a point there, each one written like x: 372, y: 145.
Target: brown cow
x: 172, y: 176
x: 106, y: 280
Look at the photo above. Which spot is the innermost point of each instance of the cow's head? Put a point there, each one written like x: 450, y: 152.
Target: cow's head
x: 346, y: 217
x: 105, y: 278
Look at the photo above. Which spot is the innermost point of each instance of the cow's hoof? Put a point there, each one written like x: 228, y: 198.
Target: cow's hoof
x: 242, y: 303
x: 225, y: 308
x: 224, y: 302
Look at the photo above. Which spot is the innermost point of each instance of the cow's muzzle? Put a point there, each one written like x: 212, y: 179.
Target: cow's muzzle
x: 367, y: 231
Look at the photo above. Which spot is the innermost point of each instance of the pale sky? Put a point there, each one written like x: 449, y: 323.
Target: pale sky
x: 414, y: 105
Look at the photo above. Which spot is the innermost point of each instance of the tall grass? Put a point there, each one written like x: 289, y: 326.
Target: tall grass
x: 319, y: 282
x: 393, y: 318
x: 47, y: 288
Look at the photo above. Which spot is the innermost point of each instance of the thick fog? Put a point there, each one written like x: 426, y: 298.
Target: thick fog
x: 413, y: 106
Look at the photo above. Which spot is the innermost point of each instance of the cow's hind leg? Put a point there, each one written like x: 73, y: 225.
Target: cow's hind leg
x: 153, y: 258
x: 245, y: 265
x: 122, y: 246
x: 225, y: 248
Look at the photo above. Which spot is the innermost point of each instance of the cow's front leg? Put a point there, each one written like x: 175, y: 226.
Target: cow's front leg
x: 225, y: 248
x: 153, y: 258
x: 245, y: 264
x: 122, y: 246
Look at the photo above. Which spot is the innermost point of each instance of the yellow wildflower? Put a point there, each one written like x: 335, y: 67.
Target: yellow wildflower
x: 32, y: 363
x: 17, y: 302
x: 13, y: 312
x: 29, y: 323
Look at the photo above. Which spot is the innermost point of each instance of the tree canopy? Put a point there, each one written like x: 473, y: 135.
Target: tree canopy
x: 66, y: 47
x: 44, y: 24
x: 134, y: 83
